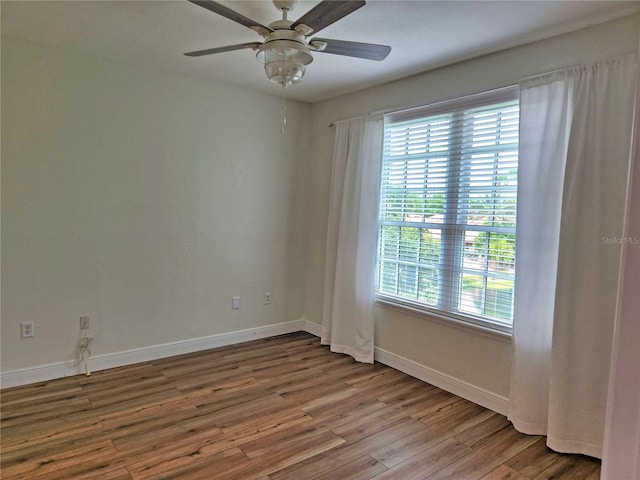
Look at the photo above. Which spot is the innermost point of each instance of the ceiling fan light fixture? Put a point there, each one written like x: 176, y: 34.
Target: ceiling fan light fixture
x: 284, y: 73
x: 284, y: 60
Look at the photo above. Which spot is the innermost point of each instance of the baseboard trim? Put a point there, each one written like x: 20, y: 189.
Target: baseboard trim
x: 42, y: 373
x: 442, y: 380
x: 128, y: 357
x: 312, y: 328
x: 463, y: 389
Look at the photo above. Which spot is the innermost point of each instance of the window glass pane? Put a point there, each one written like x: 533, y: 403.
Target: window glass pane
x: 471, y: 300
x: 498, y: 301
x: 448, y: 211
x: 429, y: 261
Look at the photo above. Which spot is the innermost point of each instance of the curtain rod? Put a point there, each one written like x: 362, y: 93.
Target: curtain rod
x: 406, y: 108
x: 333, y: 123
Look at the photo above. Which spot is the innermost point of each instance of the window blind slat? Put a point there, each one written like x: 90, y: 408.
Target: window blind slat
x: 448, y: 209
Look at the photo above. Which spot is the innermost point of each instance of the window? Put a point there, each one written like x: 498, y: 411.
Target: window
x: 448, y: 209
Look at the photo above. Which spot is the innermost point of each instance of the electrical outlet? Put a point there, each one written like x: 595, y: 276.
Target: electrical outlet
x: 267, y: 298
x: 85, y: 322
x: 26, y: 329
x: 235, y: 303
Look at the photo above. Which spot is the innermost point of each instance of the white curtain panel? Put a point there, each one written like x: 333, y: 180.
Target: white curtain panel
x: 352, y: 237
x: 621, y: 451
x: 575, y: 141
x: 544, y: 132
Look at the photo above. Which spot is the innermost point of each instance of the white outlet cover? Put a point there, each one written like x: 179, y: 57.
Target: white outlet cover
x: 26, y: 329
x: 235, y: 303
x: 85, y: 322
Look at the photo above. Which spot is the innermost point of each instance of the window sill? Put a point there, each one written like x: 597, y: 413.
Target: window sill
x: 408, y: 308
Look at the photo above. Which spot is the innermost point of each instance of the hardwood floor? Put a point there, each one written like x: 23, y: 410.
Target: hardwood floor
x: 283, y: 408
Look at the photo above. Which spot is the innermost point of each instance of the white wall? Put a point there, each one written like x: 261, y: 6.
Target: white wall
x: 478, y: 360
x: 145, y: 200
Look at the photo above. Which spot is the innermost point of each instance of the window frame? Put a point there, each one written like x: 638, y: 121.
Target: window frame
x: 464, y: 320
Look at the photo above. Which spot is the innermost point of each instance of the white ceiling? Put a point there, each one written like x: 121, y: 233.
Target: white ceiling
x: 423, y: 35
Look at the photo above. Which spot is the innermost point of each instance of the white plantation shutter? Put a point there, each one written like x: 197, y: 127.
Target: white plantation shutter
x: 448, y: 208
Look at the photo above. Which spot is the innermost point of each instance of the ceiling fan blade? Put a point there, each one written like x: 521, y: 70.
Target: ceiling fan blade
x: 327, y: 12
x: 370, y: 51
x: 220, y: 9
x: 228, y: 48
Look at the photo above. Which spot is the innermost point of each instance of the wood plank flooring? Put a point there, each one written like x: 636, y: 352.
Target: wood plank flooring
x: 283, y: 408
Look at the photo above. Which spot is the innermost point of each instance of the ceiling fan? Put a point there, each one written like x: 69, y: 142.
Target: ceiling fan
x: 286, y: 51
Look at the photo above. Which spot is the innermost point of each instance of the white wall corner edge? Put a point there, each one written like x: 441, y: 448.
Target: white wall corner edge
x: 468, y: 391
x: 311, y: 327
x: 52, y: 371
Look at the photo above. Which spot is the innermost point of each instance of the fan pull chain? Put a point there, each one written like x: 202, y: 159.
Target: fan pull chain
x: 284, y: 108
